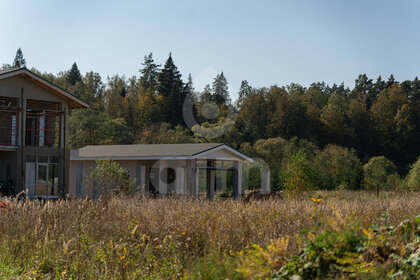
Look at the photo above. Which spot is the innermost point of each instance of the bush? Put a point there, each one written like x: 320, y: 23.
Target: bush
x: 413, y: 177
x: 108, y: 177
x: 380, y: 173
x: 338, y: 166
x: 299, y: 174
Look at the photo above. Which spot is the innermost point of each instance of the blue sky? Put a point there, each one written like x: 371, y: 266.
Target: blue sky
x: 265, y: 42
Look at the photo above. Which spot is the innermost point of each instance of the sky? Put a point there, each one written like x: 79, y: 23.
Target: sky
x: 265, y: 42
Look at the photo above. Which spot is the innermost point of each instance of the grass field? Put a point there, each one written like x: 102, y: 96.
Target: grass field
x: 132, y: 238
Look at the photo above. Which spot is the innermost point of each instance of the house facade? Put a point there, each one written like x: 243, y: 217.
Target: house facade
x: 197, y: 169
x: 33, y: 134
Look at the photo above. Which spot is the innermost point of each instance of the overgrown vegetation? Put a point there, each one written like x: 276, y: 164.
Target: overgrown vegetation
x: 342, y: 234
x: 373, y: 118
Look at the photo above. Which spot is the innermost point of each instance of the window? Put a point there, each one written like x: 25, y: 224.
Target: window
x: 42, y: 129
x: 8, y: 124
x: 46, y: 177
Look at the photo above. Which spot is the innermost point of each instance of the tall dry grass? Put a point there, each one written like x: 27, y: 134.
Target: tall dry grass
x: 162, y: 238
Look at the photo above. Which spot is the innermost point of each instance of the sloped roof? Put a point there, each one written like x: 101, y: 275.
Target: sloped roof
x: 151, y: 151
x: 73, y: 101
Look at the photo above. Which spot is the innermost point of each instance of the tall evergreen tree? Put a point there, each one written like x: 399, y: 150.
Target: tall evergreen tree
x: 221, y: 90
x: 148, y: 74
x: 74, y: 76
x: 189, y: 88
x: 206, y: 95
x: 171, y: 89
x: 244, y: 91
x: 19, y: 61
x: 391, y: 81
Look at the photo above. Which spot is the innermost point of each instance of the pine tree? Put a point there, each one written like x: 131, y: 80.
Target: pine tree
x: 74, y: 75
x: 19, y: 61
x: 391, y: 81
x: 171, y: 89
x: 244, y: 91
x: 149, y: 72
x: 221, y: 90
x: 206, y: 96
x: 189, y: 87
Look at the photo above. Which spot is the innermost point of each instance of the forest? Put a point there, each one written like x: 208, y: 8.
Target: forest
x: 331, y: 135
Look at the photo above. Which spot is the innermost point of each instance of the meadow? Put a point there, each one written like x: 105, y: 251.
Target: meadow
x: 318, y: 235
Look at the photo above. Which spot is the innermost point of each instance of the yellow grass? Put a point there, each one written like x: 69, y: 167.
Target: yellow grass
x: 162, y: 238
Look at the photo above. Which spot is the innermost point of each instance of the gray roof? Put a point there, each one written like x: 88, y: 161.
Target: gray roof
x: 75, y: 101
x: 7, y: 70
x: 144, y: 150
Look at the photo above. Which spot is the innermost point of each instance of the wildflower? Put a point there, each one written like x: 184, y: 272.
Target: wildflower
x: 3, y: 206
x: 316, y: 200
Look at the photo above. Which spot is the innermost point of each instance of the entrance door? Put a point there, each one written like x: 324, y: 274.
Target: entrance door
x: 153, y: 180
x: 41, y: 187
x: 30, y: 178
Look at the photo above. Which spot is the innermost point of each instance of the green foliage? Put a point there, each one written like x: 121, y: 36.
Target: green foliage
x: 170, y: 89
x: 376, y: 117
x: 93, y: 127
x: 381, y: 173
x: 341, y: 249
x: 215, y: 267
x: 413, y: 177
x: 19, y: 61
x: 333, y: 251
x: 337, y: 166
x: 148, y: 78
x: 244, y: 92
x: 108, y: 178
x: 299, y: 174
x: 213, y: 130
x: 74, y: 76
x: 220, y: 90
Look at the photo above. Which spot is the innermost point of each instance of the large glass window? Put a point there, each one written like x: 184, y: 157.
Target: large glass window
x: 47, y: 175
x: 42, y: 128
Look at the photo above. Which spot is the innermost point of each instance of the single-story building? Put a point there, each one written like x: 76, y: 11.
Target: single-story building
x: 166, y: 168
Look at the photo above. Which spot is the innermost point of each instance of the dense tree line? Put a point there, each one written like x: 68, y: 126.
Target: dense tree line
x: 375, y: 118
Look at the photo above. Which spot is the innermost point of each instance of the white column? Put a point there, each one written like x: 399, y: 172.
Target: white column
x: 210, y: 180
x: 180, y: 180
x: 163, y: 186
x: 237, y: 179
x: 265, y: 180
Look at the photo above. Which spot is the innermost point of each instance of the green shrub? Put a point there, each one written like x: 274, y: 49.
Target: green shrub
x: 338, y: 166
x: 413, y: 177
x: 299, y: 174
x: 380, y: 173
x: 108, y: 177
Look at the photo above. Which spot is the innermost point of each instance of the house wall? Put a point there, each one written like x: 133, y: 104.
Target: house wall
x: 16, y: 87
x: 184, y: 183
x: 186, y: 179
x: 132, y: 166
x: 11, y: 87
